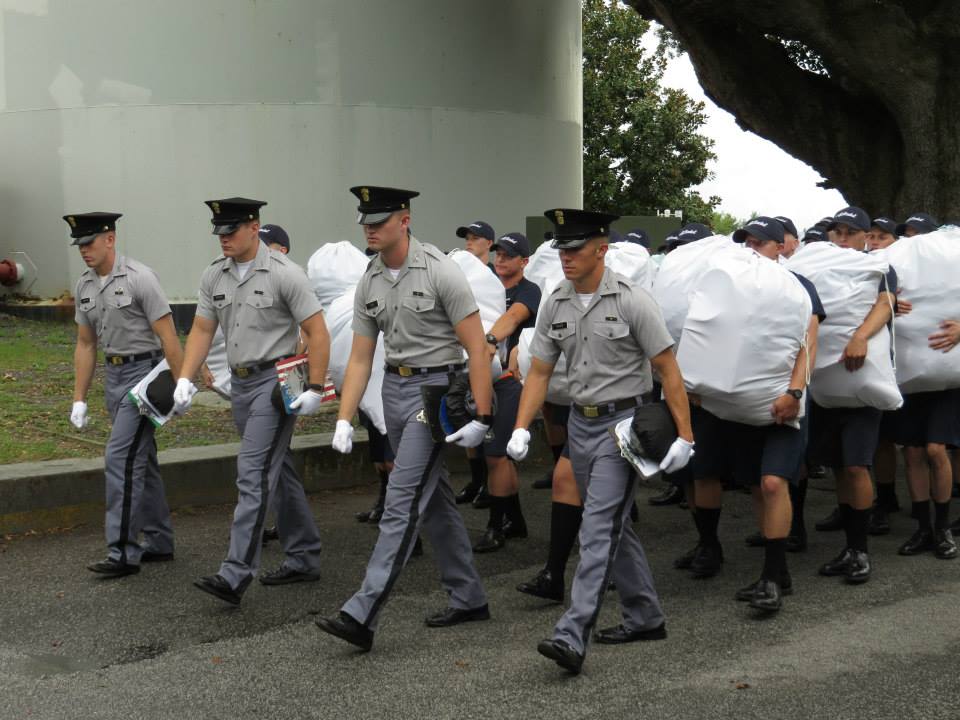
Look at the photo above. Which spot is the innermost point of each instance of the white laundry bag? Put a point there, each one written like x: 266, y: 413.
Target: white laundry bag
x: 745, y: 327
x: 632, y: 261
x: 558, y: 390
x: 848, y: 282
x: 487, y: 291
x: 928, y: 272
x: 334, y: 268
x: 544, y: 269
x: 217, y: 364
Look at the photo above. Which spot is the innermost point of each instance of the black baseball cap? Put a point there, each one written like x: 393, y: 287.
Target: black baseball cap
x: 84, y: 227
x: 231, y: 213
x: 815, y: 234
x: 852, y: 216
x: 692, y: 232
x: 275, y: 234
x: 573, y: 228
x: 514, y: 244
x: 787, y: 225
x: 478, y: 228
x: 921, y: 222
x: 377, y: 204
x: 638, y: 236
x: 885, y: 224
x: 762, y: 228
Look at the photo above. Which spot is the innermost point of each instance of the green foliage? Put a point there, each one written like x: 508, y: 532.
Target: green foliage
x: 642, y: 149
x: 724, y: 223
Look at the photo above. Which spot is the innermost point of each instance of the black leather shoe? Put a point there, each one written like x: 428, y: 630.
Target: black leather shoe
x: 491, y: 541
x: 837, y: 566
x: 543, y: 585
x: 945, y: 546
x: 482, y: 500
x: 149, y: 556
x: 816, y: 472
x: 219, y: 588
x: 113, y: 568
x: 269, y: 534
x: 859, y: 568
x: 879, y: 521
x: 919, y: 542
x: 766, y: 596
x: 346, y: 628
x: 671, y: 496
x: 372, y: 515
x: 516, y: 529
x: 467, y: 494
x: 706, y: 563
x: 745, y: 594
x: 545, y: 482
x: 686, y: 560
x: 285, y: 576
x: 454, y: 616
x: 831, y: 522
x: 755, y: 540
x: 796, y: 542
x: 562, y: 654
x: 620, y: 634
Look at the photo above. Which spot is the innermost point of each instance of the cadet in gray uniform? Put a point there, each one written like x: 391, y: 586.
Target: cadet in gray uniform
x: 258, y: 297
x: 607, y: 328
x: 121, y: 306
x: 419, y: 299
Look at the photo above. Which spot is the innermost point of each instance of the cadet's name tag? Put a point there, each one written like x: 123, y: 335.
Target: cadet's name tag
x: 258, y: 292
x: 417, y: 293
x: 610, y: 318
x: 84, y: 301
x: 219, y: 297
x: 372, y: 304
x: 559, y: 326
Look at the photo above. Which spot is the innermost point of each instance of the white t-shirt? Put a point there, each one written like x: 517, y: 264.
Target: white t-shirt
x: 394, y: 273
x: 585, y: 298
x: 243, y: 268
x: 103, y: 279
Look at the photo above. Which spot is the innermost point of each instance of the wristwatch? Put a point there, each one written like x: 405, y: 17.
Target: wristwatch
x: 315, y: 387
x: 794, y: 393
x: 492, y: 339
x: 485, y: 419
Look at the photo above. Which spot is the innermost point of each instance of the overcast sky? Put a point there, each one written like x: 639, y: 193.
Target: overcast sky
x: 750, y: 173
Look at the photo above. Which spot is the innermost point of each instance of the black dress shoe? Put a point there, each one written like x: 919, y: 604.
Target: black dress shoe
x: 816, y: 472
x: 149, y: 556
x: 945, y: 546
x: 515, y: 529
x: 113, y: 568
x: 545, y: 482
x: 219, y: 588
x: 745, y: 594
x: 482, y: 500
x: 562, y: 654
x: 467, y: 494
x: 454, y: 616
x: 686, y: 560
x: 920, y: 542
x: 270, y: 533
x: 755, y: 540
x: 879, y: 521
x: 671, y: 496
x: 346, y: 628
x: 543, y: 585
x: 620, y: 634
x: 285, y: 576
x: 796, y: 542
x: 491, y: 541
x: 766, y: 596
x: 837, y: 566
x: 706, y: 563
x: 831, y: 522
x: 372, y: 515
x: 858, y: 569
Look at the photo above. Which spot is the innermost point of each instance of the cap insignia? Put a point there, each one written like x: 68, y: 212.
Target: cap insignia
x: 72, y: 220
x: 216, y: 208
x: 365, y: 194
x: 559, y: 216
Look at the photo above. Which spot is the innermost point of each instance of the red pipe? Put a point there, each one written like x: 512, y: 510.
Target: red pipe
x: 9, y: 274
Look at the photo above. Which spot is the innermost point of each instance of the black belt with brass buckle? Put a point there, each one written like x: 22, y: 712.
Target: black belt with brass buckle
x: 595, y: 411
x: 404, y: 371
x: 124, y: 359
x: 242, y: 372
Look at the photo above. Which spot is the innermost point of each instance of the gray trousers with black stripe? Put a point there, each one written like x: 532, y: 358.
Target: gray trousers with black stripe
x: 265, y: 470
x: 418, y: 494
x: 609, y: 547
x: 135, y: 498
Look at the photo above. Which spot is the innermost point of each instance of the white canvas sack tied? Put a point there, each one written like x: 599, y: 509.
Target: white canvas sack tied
x: 632, y: 261
x: 745, y: 327
x: 848, y: 282
x: 928, y: 271
x: 558, y: 390
x: 487, y: 291
x: 544, y: 269
x: 335, y: 268
x: 678, y: 275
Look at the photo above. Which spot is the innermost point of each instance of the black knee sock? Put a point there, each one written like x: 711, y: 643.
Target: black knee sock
x: 557, y: 450
x: 845, y: 520
x: 564, y: 526
x: 478, y: 472
x: 859, y: 522
x: 384, y: 479
x: 774, y: 560
x: 498, y: 508
x: 798, y: 498
x: 708, y: 519
x: 886, y: 495
x: 513, y: 510
x: 920, y: 511
x: 941, y: 515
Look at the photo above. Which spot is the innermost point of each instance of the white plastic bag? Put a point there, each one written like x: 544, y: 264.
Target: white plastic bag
x: 558, y: 391
x: 927, y: 270
x: 334, y: 268
x: 217, y: 364
x: 745, y: 327
x: 632, y: 261
x: 848, y: 282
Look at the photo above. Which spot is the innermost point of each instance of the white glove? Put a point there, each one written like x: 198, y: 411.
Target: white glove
x: 677, y: 456
x: 470, y: 435
x: 306, y: 403
x: 519, y: 444
x: 78, y: 415
x: 343, y: 437
x: 183, y: 395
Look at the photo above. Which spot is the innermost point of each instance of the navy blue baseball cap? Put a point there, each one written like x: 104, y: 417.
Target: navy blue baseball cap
x: 274, y: 234
x: 638, y: 236
x: 478, y: 228
x: 886, y: 224
x: 815, y: 234
x: 921, y: 222
x: 693, y: 231
x: 787, y: 225
x: 852, y: 216
x: 762, y: 228
x: 514, y: 244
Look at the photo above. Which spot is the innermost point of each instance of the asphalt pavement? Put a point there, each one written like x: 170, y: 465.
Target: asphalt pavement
x: 151, y: 646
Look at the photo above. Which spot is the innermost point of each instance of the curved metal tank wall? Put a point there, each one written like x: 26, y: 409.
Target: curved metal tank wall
x: 149, y: 107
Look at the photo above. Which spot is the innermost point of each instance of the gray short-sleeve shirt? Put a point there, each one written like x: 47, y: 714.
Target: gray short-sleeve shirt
x: 608, y: 344
x: 416, y: 312
x: 122, y: 311
x: 260, y: 314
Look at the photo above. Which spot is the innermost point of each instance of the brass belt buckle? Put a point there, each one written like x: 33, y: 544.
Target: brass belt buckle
x: 405, y: 371
x: 116, y: 360
x: 241, y: 372
x: 591, y: 411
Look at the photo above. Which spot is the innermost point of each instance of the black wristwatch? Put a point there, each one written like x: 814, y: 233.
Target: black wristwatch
x: 315, y: 387
x: 485, y: 419
x: 492, y: 339
x: 794, y: 393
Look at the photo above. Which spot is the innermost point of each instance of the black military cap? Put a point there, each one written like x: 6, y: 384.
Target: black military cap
x: 572, y: 228
x: 84, y: 227
x: 231, y: 213
x: 378, y: 203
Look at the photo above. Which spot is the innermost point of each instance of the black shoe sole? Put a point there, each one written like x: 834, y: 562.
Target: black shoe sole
x: 856, y: 581
x: 478, y: 617
x: 556, y: 597
x: 232, y: 599
x: 290, y: 579
x: 552, y: 653
x: 766, y: 609
x: 131, y: 570
x: 337, y: 632
x: 659, y: 633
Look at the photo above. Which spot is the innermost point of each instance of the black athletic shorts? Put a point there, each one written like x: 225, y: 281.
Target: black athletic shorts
x: 843, y: 437
x: 508, y: 391
x: 929, y: 417
x: 379, y: 445
x: 559, y: 414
